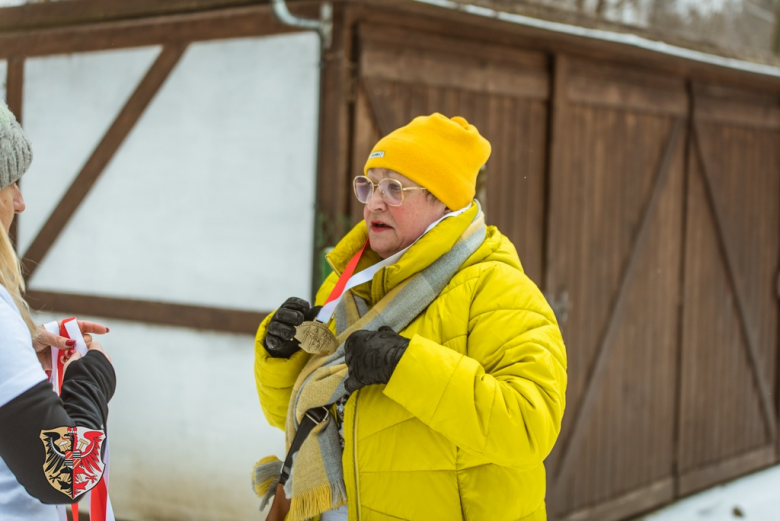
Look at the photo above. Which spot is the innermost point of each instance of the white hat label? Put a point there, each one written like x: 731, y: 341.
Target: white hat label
x: 378, y: 153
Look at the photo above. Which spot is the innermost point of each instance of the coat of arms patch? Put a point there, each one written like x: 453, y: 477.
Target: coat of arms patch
x: 73, y: 462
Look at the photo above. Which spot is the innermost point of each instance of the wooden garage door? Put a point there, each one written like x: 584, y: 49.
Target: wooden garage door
x: 729, y: 338
x: 614, y: 248
x: 502, y: 91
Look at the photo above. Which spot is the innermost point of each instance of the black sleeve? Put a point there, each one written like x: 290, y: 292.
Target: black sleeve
x: 87, y: 387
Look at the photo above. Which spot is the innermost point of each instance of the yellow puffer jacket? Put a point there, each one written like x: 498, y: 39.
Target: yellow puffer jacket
x: 473, y: 407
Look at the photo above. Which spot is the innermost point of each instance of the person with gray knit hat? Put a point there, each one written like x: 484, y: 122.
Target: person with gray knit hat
x: 15, y: 149
x: 29, y: 408
x: 15, y: 159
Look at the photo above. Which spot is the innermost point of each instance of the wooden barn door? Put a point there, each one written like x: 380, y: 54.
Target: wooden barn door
x: 729, y: 337
x: 615, y: 240
x: 504, y: 92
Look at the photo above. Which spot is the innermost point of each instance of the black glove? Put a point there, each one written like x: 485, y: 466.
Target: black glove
x: 372, y: 356
x: 279, y: 338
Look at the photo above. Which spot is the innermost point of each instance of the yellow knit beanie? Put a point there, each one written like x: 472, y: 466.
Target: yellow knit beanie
x: 441, y: 154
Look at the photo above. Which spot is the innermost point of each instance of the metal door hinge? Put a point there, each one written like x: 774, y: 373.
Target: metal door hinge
x: 560, y: 305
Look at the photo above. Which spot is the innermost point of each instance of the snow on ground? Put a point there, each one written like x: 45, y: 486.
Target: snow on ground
x: 754, y: 498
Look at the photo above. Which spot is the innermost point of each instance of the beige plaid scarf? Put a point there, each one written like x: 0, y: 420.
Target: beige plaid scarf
x: 316, y: 483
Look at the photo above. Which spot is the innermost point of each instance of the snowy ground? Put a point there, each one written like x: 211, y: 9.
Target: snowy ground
x: 755, y: 497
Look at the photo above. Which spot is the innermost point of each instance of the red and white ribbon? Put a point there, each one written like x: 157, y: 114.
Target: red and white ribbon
x: 100, y: 508
x: 348, y: 281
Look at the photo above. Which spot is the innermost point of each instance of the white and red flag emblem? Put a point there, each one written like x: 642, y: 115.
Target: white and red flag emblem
x: 73, y: 463
x: 100, y: 508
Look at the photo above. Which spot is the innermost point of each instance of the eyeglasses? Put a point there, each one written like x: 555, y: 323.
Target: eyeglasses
x: 391, y: 189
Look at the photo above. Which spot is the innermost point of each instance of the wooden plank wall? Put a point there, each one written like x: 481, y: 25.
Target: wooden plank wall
x: 730, y: 314
x: 614, y: 239
x: 610, y: 221
x: 503, y: 92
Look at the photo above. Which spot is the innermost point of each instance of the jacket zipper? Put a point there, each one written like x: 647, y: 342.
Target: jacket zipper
x: 354, y: 456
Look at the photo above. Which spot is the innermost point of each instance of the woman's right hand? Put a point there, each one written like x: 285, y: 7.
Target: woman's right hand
x: 280, y: 341
x: 44, y: 341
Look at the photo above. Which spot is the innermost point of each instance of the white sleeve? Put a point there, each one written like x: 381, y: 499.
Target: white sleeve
x: 19, y: 367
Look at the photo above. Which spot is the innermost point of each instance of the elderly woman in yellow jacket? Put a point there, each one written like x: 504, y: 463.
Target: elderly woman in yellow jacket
x: 431, y: 383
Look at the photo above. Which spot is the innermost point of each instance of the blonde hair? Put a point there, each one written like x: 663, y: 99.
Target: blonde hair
x: 11, y: 277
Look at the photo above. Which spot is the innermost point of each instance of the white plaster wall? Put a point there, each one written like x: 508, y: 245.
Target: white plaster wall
x: 209, y: 201
x: 69, y: 103
x: 185, y: 425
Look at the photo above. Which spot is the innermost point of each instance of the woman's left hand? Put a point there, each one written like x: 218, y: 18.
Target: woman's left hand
x: 372, y: 356
x: 43, y: 341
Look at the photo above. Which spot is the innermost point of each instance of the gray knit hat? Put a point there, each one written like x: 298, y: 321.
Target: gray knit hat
x: 15, y: 149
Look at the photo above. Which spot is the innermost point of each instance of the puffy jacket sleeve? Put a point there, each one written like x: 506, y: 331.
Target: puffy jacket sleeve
x: 504, y: 399
x: 275, y: 377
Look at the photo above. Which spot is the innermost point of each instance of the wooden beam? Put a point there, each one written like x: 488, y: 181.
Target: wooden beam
x: 162, y: 313
x: 448, y: 70
x: 163, y: 30
x: 557, y: 152
x: 680, y: 347
x: 599, y: 366
x: 748, y: 333
x: 53, y: 14
x: 718, y: 104
x: 385, y: 37
x: 337, y: 84
x: 15, y: 85
x: 725, y: 470
x: 102, y: 154
x: 627, y: 505
x: 627, y: 88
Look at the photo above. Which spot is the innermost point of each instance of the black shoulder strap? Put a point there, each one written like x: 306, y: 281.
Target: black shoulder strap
x: 313, y: 417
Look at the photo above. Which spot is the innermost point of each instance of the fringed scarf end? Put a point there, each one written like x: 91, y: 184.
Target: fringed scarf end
x: 265, y: 476
x: 312, y: 503
x: 338, y: 494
